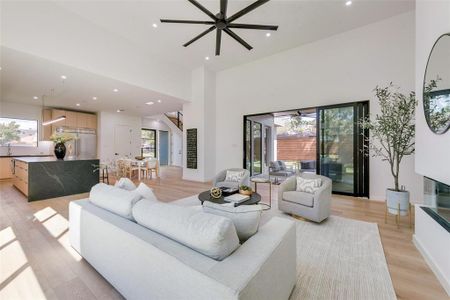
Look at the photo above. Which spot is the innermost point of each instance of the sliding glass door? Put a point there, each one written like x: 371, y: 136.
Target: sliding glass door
x: 253, y: 158
x: 340, y: 148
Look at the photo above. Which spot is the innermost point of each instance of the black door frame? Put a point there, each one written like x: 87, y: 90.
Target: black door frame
x: 362, y: 160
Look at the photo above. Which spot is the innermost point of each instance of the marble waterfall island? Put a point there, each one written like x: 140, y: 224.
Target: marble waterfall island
x: 41, y: 178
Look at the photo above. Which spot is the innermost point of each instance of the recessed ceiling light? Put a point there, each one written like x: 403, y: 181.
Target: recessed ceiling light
x: 35, y: 97
x: 78, y: 104
x: 155, y: 25
x: 63, y: 77
x: 150, y: 103
x: 159, y: 100
x: 94, y: 98
x: 268, y: 34
x: 207, y: 58
x: 115, y: 90
x: 120, y: 110
x: 348, y: 3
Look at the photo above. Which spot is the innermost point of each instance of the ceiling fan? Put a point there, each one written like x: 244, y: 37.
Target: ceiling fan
x: 220, y: 22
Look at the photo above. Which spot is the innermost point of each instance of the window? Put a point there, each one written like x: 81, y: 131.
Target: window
x: 148, y: 143
x: 17, y: 132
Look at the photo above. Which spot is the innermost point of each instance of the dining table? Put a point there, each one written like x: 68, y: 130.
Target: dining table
x: 140, y: 164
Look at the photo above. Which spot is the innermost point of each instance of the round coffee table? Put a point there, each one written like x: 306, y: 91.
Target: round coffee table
x: 205, y: 196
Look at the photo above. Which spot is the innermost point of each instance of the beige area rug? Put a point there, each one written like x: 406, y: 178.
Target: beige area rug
x: 341, y: 259
x: 337, y: 259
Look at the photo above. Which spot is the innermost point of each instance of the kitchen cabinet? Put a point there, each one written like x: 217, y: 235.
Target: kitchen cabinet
x: 5, y: 168
x: 91, y: 121
x: 81, y: 120
x: 71, y: 119
x: 21, y: 176
x: 46, y: 130
x: 57, y: 113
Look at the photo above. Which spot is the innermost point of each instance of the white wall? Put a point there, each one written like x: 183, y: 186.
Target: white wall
x: 432, y: 150
x: 28, y: 112
x: 107, y: 123
x: 342, y: 68
x: 175, y: 138
x: 200, y: 113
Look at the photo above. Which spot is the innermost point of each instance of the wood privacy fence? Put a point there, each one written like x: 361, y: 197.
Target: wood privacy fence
x: 296, y: 148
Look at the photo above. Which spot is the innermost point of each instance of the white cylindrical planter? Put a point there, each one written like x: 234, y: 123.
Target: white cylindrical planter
x: 393, y: 198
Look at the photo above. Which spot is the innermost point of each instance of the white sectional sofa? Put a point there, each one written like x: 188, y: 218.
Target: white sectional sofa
x: 142, y: 264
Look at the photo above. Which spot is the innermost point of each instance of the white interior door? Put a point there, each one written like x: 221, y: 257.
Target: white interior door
x: 122, y: 141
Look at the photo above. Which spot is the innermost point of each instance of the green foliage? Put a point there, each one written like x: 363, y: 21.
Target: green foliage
x: 245, y: 188
x: 61, y: 138
x: 9, y: 132
x: 437, y: 117
x: 392, y: 132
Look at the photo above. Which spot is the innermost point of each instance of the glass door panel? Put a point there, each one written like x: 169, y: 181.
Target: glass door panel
x: 336, y: 147
x: 257, y: 149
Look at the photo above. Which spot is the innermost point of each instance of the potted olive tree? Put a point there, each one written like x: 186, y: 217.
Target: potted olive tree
x: 392, y: 138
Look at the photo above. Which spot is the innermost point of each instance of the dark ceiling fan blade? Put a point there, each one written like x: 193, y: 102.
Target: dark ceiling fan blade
x: 238, y: 39
x: 246, y: 10
x: 223, y: 7
x: 187, y: 22
x: 203, y: 9
x: 200, y: 35
x: 252, y: 26
x: 218, y: 41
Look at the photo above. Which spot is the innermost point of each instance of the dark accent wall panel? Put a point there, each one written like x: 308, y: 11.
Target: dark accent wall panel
x: 191, y: 148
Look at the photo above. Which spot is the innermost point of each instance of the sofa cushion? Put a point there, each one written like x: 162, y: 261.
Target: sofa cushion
x: 234, y: 176
x: 145, y: 192
x: 114, y: 199
x: 245, y: 217
x: 302, y: 198
x: 209, y: 234
x: 308, y: 185
x: 126, y: 184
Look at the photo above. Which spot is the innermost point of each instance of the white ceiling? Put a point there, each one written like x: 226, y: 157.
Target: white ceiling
x: 101, y: 45
x: 300, y: 22
x: 24, y: 76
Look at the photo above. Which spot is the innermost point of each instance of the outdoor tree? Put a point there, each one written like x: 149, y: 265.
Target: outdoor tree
x: 9, y: 132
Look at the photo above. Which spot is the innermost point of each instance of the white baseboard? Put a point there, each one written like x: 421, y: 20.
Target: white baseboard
x: 434, y: 267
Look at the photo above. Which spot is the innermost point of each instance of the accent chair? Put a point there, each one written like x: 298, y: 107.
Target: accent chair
x: 220, y: 179
x: 312, y: 206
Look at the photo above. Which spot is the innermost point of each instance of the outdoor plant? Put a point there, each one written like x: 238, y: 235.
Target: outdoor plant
x: 392, y: 131
x: 62, y: 138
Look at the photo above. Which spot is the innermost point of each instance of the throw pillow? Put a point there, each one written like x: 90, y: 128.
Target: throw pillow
x: 308, y: 185
x: 234, y: 176
x: 245, y: 217
x: 126, y: 184
x: 145, y: 192
x: 114, y: 199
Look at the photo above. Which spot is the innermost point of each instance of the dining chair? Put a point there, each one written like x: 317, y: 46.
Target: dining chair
x: 150, y: 166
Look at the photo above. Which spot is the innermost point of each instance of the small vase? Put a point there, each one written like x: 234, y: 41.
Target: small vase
x: 60, y: 150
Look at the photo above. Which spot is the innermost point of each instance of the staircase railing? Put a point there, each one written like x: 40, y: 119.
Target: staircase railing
x: 176, y: 118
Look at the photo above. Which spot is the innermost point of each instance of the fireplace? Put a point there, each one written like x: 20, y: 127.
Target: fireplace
x: 437, y: 201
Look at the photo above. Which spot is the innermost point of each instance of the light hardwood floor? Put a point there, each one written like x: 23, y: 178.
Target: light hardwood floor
x: 36, y: 260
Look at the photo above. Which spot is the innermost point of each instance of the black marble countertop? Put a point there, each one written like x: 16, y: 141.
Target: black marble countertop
x: 36, y: 159
x: 28, y: 155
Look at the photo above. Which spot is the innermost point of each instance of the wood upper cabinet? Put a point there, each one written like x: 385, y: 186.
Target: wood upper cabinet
x: 46, y: 130
x: 71, y: 119
x: 56, y: 113
x: 82, y: 120
x: 92, y: 121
